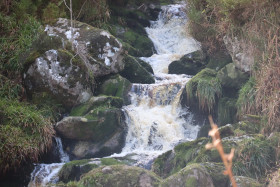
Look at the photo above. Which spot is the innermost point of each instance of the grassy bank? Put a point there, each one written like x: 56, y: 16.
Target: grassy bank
x: 255, y: 24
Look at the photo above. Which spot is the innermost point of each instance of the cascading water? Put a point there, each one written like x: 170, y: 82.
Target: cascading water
x: 44, y: 174
x: 155, y: 118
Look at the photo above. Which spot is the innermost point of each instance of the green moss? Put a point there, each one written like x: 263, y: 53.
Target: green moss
x: 191, y: 181
x: 74, y: 169
x: 204, y: 87
x: 110, y: 161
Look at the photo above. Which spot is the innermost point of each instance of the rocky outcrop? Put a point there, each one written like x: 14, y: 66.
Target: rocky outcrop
x: 241, y: 55
x: 189, y: 64
x: 191, y: 175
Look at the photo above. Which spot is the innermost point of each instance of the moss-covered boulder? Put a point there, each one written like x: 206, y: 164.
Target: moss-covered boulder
x: 189, y: 64
x: 59, y: 74
x: 137, y: 71
x: 116, y: 86
x: 191, y: 175
x: 64, y: 62
x: 242, y: 181
x: 95, y: 128
x: 72, y: 171
x: 101, y: 52
x: 119, y: 176
x: 231, y: 77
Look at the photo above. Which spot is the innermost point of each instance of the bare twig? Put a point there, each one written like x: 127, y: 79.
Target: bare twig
x: 217, y: 143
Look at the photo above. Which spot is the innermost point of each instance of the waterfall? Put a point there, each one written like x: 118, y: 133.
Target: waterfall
x: 44, y: 174
x: 155, y: 119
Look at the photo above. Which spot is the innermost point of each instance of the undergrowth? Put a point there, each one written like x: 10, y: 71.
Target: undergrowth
x: 24, y: 134
x: 256, y: 25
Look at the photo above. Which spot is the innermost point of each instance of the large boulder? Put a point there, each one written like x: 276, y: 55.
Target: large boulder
x: 64, y: 65
x: 241, y: 56
x: 189, y: 64
x: 55, y: 73
x: 216, y: 171
x: 100, y: 51
x: 119, y: 176
x: 95, y: 128
x: 191, y: 175
x: 242, y: 181
x: 218, y: 60
x: 137, y: 71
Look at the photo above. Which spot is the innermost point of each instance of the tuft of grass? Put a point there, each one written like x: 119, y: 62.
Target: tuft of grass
x: 24, y: 134
x: 206, y: 88
x: 254, y: 158
x: 246, y: 99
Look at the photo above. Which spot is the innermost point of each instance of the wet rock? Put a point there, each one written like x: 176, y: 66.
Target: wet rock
x: 96, y: 130
x: 135, y: 72
x: 120, y: 176
x: 191, y: 175
x: 72, y: 171
x: 226, y: 131
x: 189, y: 64
x: 116, y: 86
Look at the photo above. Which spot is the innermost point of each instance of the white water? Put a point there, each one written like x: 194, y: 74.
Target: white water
x: 155, y: 117
x: 45, y: 174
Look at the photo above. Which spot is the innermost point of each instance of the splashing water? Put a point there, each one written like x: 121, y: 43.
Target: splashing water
x: 155, y: 118
x: 45, y: 174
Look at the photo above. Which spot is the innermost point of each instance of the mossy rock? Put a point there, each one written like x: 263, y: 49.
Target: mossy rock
x: 52, y: 73
x: 135, y: 72
x: 251, y: 124
x: 98, y: 124
x: 189, y: 64
x: 226, y: 131
x: 218, y: 60
x: 216, y: 171
x: 72, y: 171
x: 172, y: 161
x: 191, y: 175
x: 203, y: 90
x: 231, y: 77
x: 96, y: 102
x: 227, y: 111
x: 119, y: 176
x: 116, y: 86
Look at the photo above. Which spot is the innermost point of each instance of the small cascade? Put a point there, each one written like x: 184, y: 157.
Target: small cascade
x: 44, y: 174
x: 155, y: 119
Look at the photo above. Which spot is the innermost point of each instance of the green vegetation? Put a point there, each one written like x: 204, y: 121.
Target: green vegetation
x: 206, y: 88
x: 24, y: 134
x: 255, y: 24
